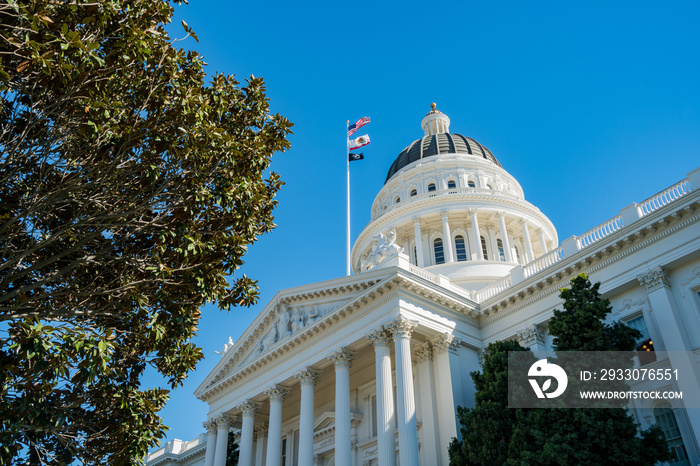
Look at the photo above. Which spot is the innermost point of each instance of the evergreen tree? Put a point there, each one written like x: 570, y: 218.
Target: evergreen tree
x: 493, y: 434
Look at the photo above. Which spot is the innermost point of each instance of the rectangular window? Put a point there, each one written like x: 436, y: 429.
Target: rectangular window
x: 295, y: 449
x: 283, y: 459
x: 501, y: 251
x: 645, y: 346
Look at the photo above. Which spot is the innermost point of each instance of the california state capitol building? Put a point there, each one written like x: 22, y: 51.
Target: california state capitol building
x: 369, y: 369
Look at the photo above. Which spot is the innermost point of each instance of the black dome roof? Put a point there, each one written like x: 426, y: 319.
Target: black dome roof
x: 436, y: 144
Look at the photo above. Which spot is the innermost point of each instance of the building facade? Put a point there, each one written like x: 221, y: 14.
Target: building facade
x: 369, y: 369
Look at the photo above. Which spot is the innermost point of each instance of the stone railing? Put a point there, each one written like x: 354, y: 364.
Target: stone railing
x: 572, y: 245
x: 431, y: 277
x: 493, y: 289
x: 599, y: 232
x: 666, y: 196
x: 543, y: 262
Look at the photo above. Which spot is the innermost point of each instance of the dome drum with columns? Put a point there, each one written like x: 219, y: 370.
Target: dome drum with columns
x: 368, y: 369
x: 454, y: 211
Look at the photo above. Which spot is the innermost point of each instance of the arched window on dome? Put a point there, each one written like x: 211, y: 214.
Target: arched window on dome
x: 501, y: 251
x: 414, y: 192
x: 471, y: 184
x: 397, y: 200
x: 483, y: 248
x: 460, y: 248
x: 415, y: 256
x: 489, y: 186
x: 517, y: 254
x: 439, y: 251
x: 666, y: 419
x: 431, y: 189
x: 451, y: 184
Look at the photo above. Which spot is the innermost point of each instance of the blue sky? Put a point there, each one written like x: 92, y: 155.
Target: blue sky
x: 590, y: 105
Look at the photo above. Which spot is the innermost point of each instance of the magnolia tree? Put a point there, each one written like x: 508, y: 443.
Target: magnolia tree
x: 131, y: 185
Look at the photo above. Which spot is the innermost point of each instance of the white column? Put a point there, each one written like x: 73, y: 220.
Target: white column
x: 447, y: 241
x: 342, y: 360
x: 543, y: 241
x: 672, y: 328
x: 504, y: 235
x: 386, y: 449
x: 261, y: 443
x: 274, y: 432
x: 405, y: 399
x: 430, y: 452
x: 307, y: 378
x: 222, y: 425
x: 529, y: 253
x: 446, y: 412
x: 211, y: 442
x: 477, y: 236
x: 248, y: 409
x: 420, y: 258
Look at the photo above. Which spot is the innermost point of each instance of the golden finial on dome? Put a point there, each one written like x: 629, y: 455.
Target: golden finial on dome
x: 433, y: 105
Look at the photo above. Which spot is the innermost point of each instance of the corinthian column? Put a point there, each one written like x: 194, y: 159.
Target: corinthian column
x: 248, y: 409
x: 274, y: 433
x: 529, y: 253
x: 386, y: 450
x: 307, y: 378
x: 223, y: 423
x: 477, y: 235
x: 405, y: 398
x: 504, y: 235
x: 675, y: 337
x: 444, y: 392
x: 211, y: 442
x: 447, y: 242
x: 420, y: 259
x: 342, y: 360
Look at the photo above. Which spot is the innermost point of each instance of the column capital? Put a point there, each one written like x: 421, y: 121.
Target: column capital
x: 523, y: 221
x: 401, y: 327
x: 654, y: 280
x: 223, y: 421
x: 472, y: 212
x: 530, y: 336
x: 422, y: 353
x: 444, y: 342
x: 307, y: 376
x: 276, y: 393
x: 209, y: 425
x: 248, y: 408
x: 443, y: 214
x: 260, y: 431
x: 500, y: 214
x: 416, y: 220
x: 380, y: 337
x: 342, y: 358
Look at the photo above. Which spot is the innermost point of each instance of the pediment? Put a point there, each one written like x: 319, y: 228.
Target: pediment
x: 289, y: 314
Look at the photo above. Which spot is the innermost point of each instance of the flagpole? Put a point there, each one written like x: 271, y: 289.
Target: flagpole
x: 347, y: 163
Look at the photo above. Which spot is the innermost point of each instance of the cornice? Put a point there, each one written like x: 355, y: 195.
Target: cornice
x: 620, y: 244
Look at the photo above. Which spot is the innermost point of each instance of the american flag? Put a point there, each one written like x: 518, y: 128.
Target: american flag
x: 357, y: 125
